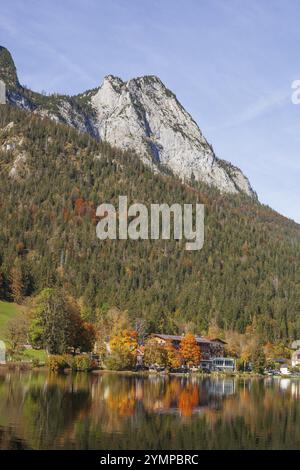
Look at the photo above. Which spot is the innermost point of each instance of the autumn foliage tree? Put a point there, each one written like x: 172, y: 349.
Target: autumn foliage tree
x: 126, y: 340
x: 109, y: 324
x: 87, y: 337
x: 82, y: 334
x: 174, y: 357
x: 190, y: 350
x: 123, y: 350
x: 155, y: 354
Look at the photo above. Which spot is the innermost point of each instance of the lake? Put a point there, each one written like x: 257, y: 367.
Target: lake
x: 39, y: 410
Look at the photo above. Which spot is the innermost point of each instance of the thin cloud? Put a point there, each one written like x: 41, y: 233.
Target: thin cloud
x: 32, y: 39
x: 8, y: 26
x: 257, y: 109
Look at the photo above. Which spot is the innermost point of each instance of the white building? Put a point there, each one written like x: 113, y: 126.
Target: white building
x: 296, y: 358
x: 224, y: 364
x: 2, y: 352
x: 284, y: 370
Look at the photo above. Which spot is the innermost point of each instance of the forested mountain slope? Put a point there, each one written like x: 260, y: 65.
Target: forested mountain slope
x: 52, y: 180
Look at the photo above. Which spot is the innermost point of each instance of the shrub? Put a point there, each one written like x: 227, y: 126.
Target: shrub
x: 82, y: 363
x: 35, y: 362
x: 119, y: 360
x: 240, y: 365
x: 57, y: 363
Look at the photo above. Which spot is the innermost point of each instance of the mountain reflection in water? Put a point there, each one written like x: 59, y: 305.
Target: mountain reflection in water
x: 118, y: 411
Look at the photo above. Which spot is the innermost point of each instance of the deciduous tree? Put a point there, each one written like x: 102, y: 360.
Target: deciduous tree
x: 155, y: 354
x: 57, y: 325
x: 173, y: 356
x: 16, y: 334
x: 123, y: 348
x: 189, y: 350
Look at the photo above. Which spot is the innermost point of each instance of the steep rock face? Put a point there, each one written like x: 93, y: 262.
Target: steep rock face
x: 60, y: 108
x: 144, y: 115
x: 8, y: 71
x: 141, y: 114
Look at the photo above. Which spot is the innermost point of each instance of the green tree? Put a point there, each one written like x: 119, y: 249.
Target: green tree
x: 16, y: 335
x: 258, y: 360
x: 16, y: 282
x: 51, y: 325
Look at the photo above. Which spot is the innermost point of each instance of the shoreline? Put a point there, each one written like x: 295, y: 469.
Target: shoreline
x: 26, y: 367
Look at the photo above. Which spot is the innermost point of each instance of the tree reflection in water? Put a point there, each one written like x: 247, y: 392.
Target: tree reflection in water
x: 112, y: 411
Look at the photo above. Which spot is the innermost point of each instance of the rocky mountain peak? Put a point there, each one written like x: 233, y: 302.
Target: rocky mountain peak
x: 8, y: 71
x: 141, y: 114
x: 113, y: 80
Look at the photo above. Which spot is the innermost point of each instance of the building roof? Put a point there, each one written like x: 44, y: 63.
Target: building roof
x: 217, y: 340
x: 280, y: 360
x: 199, y: 339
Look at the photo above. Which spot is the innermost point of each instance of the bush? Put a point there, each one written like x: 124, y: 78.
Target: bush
x: 240, y: 365
x: 83, y: 363
x: 120, y: 360
x: 58, y: 363
x: 35, y: 362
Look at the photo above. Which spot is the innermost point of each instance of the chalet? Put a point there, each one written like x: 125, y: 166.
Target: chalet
x: 209, y: 348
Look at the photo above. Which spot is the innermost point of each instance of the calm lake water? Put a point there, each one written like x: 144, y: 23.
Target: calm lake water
x: 109, y: 411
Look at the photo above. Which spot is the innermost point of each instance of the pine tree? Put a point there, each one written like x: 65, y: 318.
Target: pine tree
x: 258, y: 360
x: 16, y: 282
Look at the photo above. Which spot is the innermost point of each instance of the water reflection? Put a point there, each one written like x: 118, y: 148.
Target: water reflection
x: 111, y: 411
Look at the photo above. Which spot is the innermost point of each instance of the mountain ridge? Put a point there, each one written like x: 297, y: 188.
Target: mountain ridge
x: 140, y: 114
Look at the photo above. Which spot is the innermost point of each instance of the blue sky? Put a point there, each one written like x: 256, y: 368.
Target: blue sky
x: 230, y: 63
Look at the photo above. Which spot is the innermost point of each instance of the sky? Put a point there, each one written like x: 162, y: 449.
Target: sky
x: 231, y: 64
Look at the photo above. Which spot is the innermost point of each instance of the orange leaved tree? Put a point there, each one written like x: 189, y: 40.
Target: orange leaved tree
x: 173, y: 356
x: 189, y: 350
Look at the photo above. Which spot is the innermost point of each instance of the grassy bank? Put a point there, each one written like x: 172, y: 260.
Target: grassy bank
x: 8, y: 310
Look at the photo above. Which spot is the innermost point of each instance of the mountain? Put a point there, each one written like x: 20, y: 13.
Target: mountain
x: 52, y: 180
x: 54, y: 177
x: 59, y: 108
x: 140, y: 114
